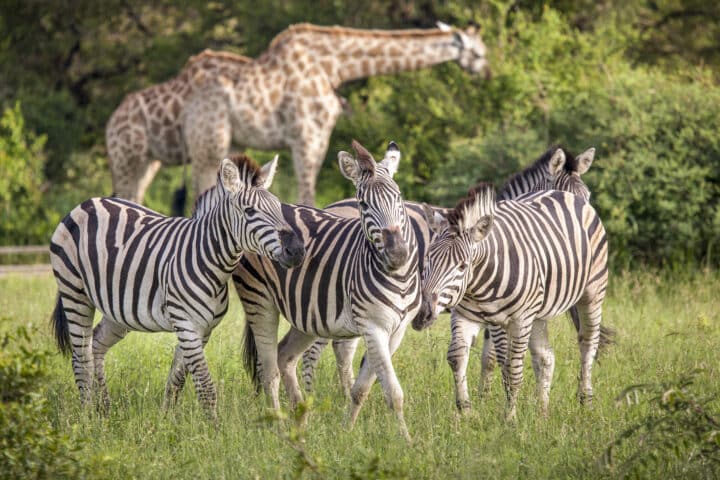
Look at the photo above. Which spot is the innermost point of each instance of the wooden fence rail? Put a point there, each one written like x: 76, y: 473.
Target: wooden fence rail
x: 34, y: 268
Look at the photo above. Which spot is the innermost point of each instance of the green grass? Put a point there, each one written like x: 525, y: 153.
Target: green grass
x: 665, y: 327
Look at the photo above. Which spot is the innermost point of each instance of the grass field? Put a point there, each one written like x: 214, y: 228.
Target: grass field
x: 665, y: 327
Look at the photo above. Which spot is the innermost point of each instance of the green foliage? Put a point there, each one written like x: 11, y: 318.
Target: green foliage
x: 680, y: 427
x: 26, y: 218
x: 29, y: 445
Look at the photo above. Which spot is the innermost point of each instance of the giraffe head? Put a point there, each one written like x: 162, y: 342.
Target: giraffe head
x: 455, y: 252
x: 472, y: 53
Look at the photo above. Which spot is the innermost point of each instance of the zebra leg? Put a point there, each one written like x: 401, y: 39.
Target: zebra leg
x: 290, y: 349
x: 79, y: 313
x: 489, y: 360
x: 310, y: 359
x: 378, y: 364
x: 543, y: 361
x: 177, y: 376
x: 344, y: 352
x: 518, y: 336
x: 588, y: 340
x: 264, y: 326
x: 193, y: 357
x: 463, y: 333
x: 106, y: 334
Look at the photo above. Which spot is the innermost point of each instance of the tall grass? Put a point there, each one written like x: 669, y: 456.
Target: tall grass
x: 667, y: 325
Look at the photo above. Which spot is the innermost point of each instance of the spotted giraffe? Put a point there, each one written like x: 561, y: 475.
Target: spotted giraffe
x: 285, y: 98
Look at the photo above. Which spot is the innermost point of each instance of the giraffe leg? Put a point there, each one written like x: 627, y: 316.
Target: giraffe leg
x: 463, y: 333
x: 130, y: 164
x: 106, y: 334
x: 344, y: 352
x: 289, y: 351
x: 543, y: 361
x: 310, y: 359
x: 207, y: 133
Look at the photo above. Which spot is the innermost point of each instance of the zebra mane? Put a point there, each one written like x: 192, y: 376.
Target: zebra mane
x: 250, y: 171
x: 479, y: 202
x: 541, y: 164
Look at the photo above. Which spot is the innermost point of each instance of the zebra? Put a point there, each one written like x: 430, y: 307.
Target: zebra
x: 517, y: 264
x: 360, y: 278
x: 151, y: 273
x: 555, y: 169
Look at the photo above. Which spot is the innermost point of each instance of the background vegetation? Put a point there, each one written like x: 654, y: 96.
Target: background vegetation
x: 665, y: 427
x: 638, y: 80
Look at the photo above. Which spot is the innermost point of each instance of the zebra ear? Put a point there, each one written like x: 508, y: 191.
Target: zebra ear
x: 444, y: 26
x: 435, y: 220
x: 392, y: 159
x: 348, y: 166
x: 267, y: 172
x: 557, y: 162
x: 481, y: 228
x: 584, y: 160
x: 229, y: 176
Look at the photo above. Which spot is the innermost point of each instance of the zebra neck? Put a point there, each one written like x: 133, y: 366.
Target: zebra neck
x: 219, y: 241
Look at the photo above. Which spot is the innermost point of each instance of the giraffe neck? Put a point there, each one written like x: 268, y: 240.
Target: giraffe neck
x: 348, y: 54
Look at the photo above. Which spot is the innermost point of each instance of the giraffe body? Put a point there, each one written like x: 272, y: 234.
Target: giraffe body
x: 285, y: 98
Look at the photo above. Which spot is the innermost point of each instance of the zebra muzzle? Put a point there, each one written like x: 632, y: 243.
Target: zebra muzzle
x: 427, y: 314
x: 395, y: 248
x: 293, y: 250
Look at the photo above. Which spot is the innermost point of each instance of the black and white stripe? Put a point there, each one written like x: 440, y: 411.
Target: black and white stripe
x: 516, y: 264
x: 360, y: 278
x: 151, y: 273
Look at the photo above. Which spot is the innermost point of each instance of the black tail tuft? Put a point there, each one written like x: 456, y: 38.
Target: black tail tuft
x: 178, y: 202
x: 250, y: 357
x: 61, y: 328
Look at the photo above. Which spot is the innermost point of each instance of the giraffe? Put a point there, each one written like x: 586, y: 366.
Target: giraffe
x: 285, y: 98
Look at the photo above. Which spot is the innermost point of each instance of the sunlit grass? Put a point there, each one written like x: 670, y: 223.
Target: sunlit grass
x: 665, y: 327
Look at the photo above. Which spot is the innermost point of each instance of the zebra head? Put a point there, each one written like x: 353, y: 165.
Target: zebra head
x: 568, y: 179
x: 382, y: 211
x: 255, y: 214
x: 455, y: 252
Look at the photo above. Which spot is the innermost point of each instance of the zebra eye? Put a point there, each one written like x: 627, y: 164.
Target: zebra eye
x: 249, y: 211
x: 462, y: 267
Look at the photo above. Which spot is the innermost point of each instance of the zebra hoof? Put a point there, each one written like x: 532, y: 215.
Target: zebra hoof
x: 463, y: 406
x: 585, y: 399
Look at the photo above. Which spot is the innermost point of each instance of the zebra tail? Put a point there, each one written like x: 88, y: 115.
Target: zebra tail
x: 61, y: 327
x: 250, y: 357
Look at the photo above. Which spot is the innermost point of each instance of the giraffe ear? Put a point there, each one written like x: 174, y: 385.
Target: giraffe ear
x: 584, y: 160
x: 348, y: 166
x: 229, y: 177
x: 557, y: 162
x: 392, y: 158
x: 435, y: 220
x: 267, y: 173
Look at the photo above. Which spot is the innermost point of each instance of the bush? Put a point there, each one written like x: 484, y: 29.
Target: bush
x: 29, y: 446
x: 26, y: 217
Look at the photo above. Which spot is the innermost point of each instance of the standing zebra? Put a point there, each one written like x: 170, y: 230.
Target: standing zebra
x: 148, y: 272
x: 360, y: 278
x: 516, y: 265
x: 556, y: 169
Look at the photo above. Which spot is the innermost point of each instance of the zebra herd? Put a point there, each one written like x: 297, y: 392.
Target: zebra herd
x: 362, y: 268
